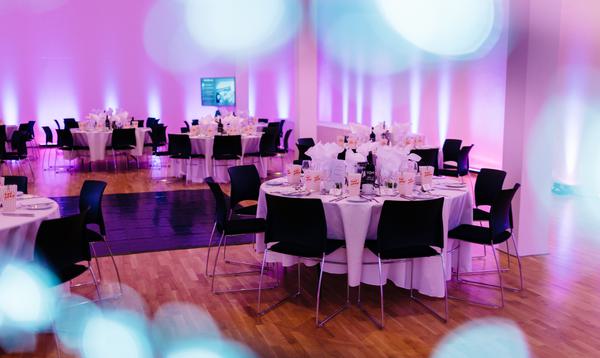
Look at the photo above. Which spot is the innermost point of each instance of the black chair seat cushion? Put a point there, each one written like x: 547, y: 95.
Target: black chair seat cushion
x: 449, y: 166
x: 245, y: 226
x: 183, y: 156
x: 401, y: 253
x: 245, y: 210
x: 93, y: 236
x: 161, y: 154
x: 14, y: 156
x: 70, y: 272
x: 295, y: 249
x: 476, y: 234
x: 480, y: 215
x: 226, y: 157
x: 282, y: 150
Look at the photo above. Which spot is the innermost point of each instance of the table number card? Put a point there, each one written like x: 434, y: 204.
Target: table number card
x: 354, y: 184
x: 293, y: 172
x: 426, y: 175
x: 406, y: 183
x: 9, y: 202
x: 337, y: 171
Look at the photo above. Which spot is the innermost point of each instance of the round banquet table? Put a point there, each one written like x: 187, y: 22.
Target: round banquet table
x: 357, y: 222
x: 98, y: 140
x: 204, y: 145
x: 17, y: 233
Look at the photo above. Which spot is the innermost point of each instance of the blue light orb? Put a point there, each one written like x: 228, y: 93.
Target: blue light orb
x: 27, y: 297
x: 484, y: 338
x: 116, y: 334
x: 241, y: 28
x: 210, y: 349
x: 446, y: 28
x: 72, y: 316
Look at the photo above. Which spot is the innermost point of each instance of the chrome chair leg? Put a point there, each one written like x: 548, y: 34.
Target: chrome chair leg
x: 379, y: 324
x: 112, y: 257
x: 95, y: 283
x: 97, y: 261
x: 336, y: 312
x: 259, y: 312
x: 212, y: 234
x: 443, y: 318
x: 499, y: 276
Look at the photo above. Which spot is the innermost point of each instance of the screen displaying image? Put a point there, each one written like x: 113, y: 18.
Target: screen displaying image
x: 218, y: 91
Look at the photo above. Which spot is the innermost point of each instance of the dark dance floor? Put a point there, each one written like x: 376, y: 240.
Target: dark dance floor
x: 158, y: 221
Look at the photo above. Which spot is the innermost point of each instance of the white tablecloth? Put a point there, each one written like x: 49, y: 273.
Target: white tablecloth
x: 17, y: 234
x: 204, y: 145
x: 357, y: 222
x: 97, y: 141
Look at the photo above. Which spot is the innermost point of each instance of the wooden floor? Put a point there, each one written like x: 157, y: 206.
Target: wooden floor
x: 558, y: 311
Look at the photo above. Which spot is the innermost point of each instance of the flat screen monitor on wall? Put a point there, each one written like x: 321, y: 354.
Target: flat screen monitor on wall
x: 218, y: 91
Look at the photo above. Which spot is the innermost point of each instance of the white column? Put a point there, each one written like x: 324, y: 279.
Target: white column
x: 531, y: 68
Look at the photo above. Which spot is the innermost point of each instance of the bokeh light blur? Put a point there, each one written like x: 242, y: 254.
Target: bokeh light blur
x: 492, y: 337
x: 441, y: 27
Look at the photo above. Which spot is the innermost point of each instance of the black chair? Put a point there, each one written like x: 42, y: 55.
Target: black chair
x: 289, y: 234
x: 487, y: 187
x: 3, y: 140
x: 498, y: 232
x: 122, y: 142
x: 70, y: 123
x: 267, y: 147
x: 19, y: 181
x: 283, y: 151
x: 463, y: 164
x: 226, y: 148
x: 49, y: 136
x: 90, y: 203
x: 245, y: 185
x: 151, y: 122
x: 263, y: 120
x: 60, y: 247
x: 65, y: 144
x: 19, y: 151
x: 195, y: 122
x: 57, y: 124
x: 303, y: 144
x: 187, y: 125
x: 182, y: 150
x: 429, y: 157
x: 184, y: 130
x: 227, y: 226
x: 408, y: 230
x: 450, y: 150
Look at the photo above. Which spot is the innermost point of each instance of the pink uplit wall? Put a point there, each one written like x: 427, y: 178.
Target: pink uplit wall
x: 63, y: 58
x: 461, y: 99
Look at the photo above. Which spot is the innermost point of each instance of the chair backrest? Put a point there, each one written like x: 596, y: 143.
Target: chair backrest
x: 187, y: 124
x: 158, y: 136
x: 221, y: 205
x: 19, y: 181
x: 18, y: 142
x: 263, y: 120
x: 245, y: 183
x: 429, y: 157
x: 64, y: 138
x: 309, y: 142
x: 500, y: 212
x: 70, y: 123
x: 122, y: 137
x: 286, y: 139
x: 90, y: 201
x: 195, y: 122
x: 463, y: 160
x: 269, y: 141
x: 487, y: 185
x: 31, y: 128
x: 140, y: 123
x: 227, y: 145
x: 151, y: 122
x: 405, y: 224
x: 48, y: 133
x: 450, y: 149
x: 297, y: 221
x: 3, y: 137
x: 173, y: 146
x: 60, y: 243
x: 57, y: 124
x: 24, y: 128
x: 184, y: 130
x: 274, y: 127
x: 302, y: 152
